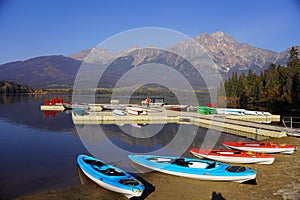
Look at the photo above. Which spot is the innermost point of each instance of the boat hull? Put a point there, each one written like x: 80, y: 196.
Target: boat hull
x: 195, y: 169
x: 109, y: 181
x: 261, y: 147
x: 230, y: 156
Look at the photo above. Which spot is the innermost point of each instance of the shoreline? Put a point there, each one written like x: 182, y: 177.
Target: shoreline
x: 280, y: 180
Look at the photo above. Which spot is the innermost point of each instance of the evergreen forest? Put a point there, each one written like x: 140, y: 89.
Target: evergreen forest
x: 276, y: 84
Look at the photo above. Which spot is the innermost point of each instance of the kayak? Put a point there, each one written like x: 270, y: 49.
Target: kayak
x: 265, y: 147
x: 119, y: 112
x: 137, y: 111
x: 234, y: 156
x: 110, y: 177
x: 195, y: 168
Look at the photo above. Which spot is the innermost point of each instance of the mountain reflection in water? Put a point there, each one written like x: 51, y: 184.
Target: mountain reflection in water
x: 39, y: 153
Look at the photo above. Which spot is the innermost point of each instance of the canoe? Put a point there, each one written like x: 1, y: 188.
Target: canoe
x: 110, y: 177
x: 133, y: 112
x: 119, y: 112
x: 137, y: 112
x: 234, y: 156
x: 206, y: 110
x: 265, y: 147
x: 195, y: 168
x: 230, y: 111
x: 176, y: 107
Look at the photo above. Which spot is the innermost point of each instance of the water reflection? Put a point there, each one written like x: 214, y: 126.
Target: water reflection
x: 39, y: 153
x: 33, y: 160
x: 25, y: 109
x: 112, y: 144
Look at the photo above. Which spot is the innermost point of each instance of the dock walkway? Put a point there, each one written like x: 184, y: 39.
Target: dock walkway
x: 240, y: 125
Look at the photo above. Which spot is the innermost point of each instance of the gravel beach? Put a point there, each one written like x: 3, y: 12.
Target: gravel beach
x: 281, y: 180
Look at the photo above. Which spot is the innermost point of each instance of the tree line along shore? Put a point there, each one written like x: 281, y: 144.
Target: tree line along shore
x: 276, y: 84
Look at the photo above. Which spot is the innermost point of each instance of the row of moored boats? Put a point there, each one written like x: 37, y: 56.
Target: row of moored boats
x: 117, y: 180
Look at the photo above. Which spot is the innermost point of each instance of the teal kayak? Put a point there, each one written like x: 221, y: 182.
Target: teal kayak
x: 195, y: 168
x: 110, y: 177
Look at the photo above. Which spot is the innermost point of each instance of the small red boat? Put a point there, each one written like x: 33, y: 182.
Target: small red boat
x: 265, y: 147
x: 234, y: 156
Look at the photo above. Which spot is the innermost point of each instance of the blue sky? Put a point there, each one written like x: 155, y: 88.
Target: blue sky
x: 30, y: 28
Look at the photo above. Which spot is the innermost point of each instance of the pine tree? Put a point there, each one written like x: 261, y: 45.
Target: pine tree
x: 293, y: 76
x: 276, y: 84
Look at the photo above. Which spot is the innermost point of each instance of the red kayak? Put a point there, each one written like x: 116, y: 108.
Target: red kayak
x: 265, y: 147
x: 234, y: 156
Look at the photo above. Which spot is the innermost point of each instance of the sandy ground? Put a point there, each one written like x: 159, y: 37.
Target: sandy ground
x: 281, y: 180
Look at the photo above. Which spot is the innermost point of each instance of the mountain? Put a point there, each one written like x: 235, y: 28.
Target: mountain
x: 228, y: 54
x: 44, y: 71
x: 232, y: 56
x: 60, y: 71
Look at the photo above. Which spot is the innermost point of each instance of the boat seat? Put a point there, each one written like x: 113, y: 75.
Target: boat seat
x: 181, y: 162
x: 234, y: 168
x: 211, y: 165
x: 112, y: 172
x: 94, y: 162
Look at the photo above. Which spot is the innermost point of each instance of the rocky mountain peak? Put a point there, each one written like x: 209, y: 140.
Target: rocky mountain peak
x: 222, y: 37
x: 227, y: 54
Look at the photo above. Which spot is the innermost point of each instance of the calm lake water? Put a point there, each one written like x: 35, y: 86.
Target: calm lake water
x: 39, y: 150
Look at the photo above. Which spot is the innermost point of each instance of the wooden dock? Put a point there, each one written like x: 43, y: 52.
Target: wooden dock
x: 249, y: 126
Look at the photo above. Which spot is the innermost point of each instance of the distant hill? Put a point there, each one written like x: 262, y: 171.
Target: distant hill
x: 60, y: 71
x: 44, y: 71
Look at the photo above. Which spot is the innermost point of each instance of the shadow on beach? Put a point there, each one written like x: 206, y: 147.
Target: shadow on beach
x: 216, y: 196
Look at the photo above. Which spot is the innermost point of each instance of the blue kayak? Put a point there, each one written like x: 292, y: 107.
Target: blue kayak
x: 195, y: 168
x: 110, y: 177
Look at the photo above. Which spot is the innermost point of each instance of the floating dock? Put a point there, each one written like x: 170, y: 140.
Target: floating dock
x: 254, y: 127
x: 57, y: 107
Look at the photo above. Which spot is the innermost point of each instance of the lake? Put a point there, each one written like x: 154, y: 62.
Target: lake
x: 39, y: 150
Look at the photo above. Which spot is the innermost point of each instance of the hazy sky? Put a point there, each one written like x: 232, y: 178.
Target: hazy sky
x: 30, y: 28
